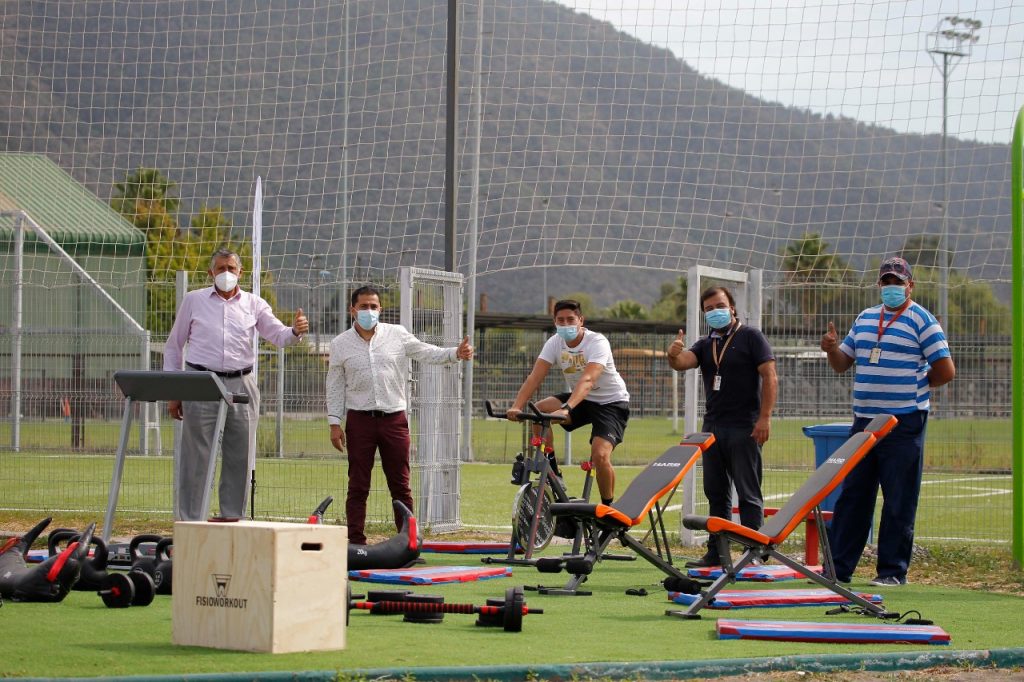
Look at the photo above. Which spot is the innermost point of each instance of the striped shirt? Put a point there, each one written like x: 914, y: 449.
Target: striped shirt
x: 372, y: 375
x: 898, y: 382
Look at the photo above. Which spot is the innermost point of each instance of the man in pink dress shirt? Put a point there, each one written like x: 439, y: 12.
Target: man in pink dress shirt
x: 218, y: 323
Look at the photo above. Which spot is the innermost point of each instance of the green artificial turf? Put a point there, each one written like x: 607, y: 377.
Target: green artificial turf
x: 954, y: 507
x: 80, y: 637
x: 961, y: 444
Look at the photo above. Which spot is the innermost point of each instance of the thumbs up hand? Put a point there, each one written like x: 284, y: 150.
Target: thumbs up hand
x: 677, y: 345
x: 830, y: 339
x: 465, y: 350
x: 301, y: 325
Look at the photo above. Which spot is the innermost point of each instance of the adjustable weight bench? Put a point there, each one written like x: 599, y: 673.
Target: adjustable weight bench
x: 764, y: 542
x: 641, y: 500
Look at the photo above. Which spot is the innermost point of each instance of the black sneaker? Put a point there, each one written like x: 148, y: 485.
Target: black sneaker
x: 553, y: 465
x: 709, y: 559
x: 888, y: 581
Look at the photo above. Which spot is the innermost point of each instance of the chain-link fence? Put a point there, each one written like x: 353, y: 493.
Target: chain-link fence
x: 71, y: 411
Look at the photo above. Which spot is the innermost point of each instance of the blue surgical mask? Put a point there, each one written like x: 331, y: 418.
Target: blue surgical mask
x: 568, y: 334
x: 894, y: 295
x: 718, y: 318
x: 367, y: 319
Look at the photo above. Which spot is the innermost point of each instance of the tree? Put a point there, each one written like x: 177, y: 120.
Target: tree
x: 974, y: 309
x: 627, y: 310
x: 922, y: 250
x: 808, y: 268
x: 671, y: 306
x: 587, y: 306
x: 143, y: 198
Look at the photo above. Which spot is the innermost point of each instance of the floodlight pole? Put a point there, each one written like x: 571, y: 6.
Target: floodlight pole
x: 952, y: 39
x: 451, y: 118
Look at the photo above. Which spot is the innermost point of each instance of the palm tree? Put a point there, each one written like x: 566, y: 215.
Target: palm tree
x: 627, y: 310
x: 808, y: 267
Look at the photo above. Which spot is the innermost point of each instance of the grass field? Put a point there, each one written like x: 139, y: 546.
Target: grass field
x: 954, y: 507
x: 961, y: 586
x: 965, y: 445
x: 80, y: 637
x: 967, y: 493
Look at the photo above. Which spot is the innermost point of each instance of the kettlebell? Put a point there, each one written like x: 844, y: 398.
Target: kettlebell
x: 94, y: 568
x: 163, y: 572
x: 144, y: 564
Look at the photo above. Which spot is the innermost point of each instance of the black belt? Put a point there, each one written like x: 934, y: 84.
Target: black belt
x: 227, y: 375
x: 375, y: 413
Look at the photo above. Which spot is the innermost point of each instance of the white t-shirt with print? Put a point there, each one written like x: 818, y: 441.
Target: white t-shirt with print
x: 609, y: 387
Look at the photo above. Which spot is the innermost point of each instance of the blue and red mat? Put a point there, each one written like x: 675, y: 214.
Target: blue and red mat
x: 430, y: 575
x: 761, y: 574
x: 445, y: 547
x: 847, y: 633
x: 749, y: 599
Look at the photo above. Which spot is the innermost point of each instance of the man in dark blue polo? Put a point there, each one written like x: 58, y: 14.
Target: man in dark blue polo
x: 738, y: 369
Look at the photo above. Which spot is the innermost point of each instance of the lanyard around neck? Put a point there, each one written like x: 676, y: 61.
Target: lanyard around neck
x: 881, y: 316
x: 714, y: 351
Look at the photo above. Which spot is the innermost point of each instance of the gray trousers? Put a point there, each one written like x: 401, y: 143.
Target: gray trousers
x: 238, y: 452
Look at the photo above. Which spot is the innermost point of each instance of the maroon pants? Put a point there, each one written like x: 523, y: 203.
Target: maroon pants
x: 364, y: 435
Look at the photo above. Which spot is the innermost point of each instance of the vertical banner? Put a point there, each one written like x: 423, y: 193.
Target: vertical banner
x: 257, y: 253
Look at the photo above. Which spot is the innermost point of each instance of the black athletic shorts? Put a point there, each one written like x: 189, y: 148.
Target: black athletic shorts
x: 609, y: 420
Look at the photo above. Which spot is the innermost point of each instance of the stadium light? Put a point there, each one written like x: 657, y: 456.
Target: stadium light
x: 952, y: 40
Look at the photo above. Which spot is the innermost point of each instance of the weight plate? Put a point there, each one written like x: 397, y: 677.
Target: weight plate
x: 524, y: 506
x: 118, y: 591
x: 514, y: 602
x: 145, y: 588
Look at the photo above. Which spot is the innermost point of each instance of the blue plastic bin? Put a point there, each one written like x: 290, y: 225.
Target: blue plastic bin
x: 827, y: 439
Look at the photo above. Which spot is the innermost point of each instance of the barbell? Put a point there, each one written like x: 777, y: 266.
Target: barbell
x: 507, y: 613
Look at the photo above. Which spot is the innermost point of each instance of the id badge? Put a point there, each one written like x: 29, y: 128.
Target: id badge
x: 716, y: 383
x: 876, y: 355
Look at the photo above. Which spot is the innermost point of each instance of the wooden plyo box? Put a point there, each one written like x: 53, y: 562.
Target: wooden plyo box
x: 260, y: 586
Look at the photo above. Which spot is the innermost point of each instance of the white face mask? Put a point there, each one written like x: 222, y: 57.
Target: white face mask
x: 226, y: 281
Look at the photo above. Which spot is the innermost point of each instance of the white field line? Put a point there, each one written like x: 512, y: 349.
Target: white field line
x: 964, y: 497
x: 994, y: 477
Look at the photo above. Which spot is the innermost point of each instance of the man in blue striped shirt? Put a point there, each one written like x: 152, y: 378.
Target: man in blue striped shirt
x: 901, y: 354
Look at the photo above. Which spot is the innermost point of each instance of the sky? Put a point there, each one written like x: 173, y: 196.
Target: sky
x: 864, y: 60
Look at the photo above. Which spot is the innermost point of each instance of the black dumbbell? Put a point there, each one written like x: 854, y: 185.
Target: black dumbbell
x: 508, y: 613
x: 381, y: 603
x: 121, y: 590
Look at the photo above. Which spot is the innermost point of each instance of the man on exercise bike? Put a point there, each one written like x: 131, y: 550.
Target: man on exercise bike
x: 596, y: 393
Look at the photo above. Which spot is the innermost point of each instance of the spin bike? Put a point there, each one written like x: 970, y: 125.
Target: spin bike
x: 533, y: 525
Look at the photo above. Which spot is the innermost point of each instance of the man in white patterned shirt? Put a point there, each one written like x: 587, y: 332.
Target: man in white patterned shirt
x: 366, y: 382
x: 218, y: 323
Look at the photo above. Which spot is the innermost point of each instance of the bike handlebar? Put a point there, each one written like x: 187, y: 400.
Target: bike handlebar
x: 531, y: 414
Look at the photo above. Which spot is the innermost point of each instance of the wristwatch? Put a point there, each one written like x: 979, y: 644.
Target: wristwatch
x: 565, y: 406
